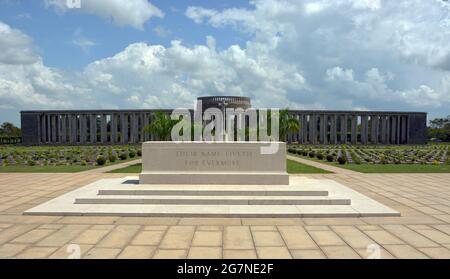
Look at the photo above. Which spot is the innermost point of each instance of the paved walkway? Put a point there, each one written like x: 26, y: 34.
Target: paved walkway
x: 114, y: 167
x: 321, y: 165
x: 423, y: 230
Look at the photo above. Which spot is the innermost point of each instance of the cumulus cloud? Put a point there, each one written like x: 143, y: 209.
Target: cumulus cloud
x: 312, y: 54
x: 122, y: 12
x: 15, y: 46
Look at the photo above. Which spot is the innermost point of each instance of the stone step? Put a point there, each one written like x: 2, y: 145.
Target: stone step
x: 211, y: 192
x: 209, y: 211
x: 219, y: 200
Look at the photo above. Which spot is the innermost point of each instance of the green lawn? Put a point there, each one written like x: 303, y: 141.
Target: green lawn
x: 58, y: 169
x: 292, y: 167
x: 45, y: 169
x: 388, y: 168
x: 397, y: 168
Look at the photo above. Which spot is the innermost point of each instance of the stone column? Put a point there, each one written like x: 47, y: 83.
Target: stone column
x: 49, y: 129
x: 63, y: 132
x: 141, y: 128
x: 123, y: 128
x: 399, y: 129
x: 39, y: 125
x: 83, y: 129
x: 322, y: 129
x: 135, y: 128
x: 343, y: 120
x: 333, y: 133
x: 74, y: 128
x: 313, y: 129
x: 374, y: 122
x: 144, y: 137
x: 383, y: 129
x: 93, y: 128
x: 354, y: 136
x: 43, y: 128
x: 300, y: 131
x: 394, y: 130
x: 113, y: 128
x: 364, y: 129
x: 407, y: 129
x: 53, y: 121
x: 103, y: 129
x: 305, y: 128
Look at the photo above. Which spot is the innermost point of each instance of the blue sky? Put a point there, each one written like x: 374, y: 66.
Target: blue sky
x: 311, y: 54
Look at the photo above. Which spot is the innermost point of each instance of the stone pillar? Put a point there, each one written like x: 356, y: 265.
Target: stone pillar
x: 103, y: 129
x: 304, y: 128
x: 93, y: 128
x: 43, y: 128
x: 354, y: 136
x: 114, y: 123
x: 393, y: 130
x: 63, y: 132
x: 313, y: 129
x: 364, y: 129
x: 344, y: 120
x: 135, y: 128
x: 74, y: 129
x: 300, y: 131
x: 53, y: 121
x: 323, y: 128
x: 383, y: 129
x: 333, y: 133
x: 399, y: 129
x: 83, y: 129
x: 123, y: 128
x: 49, y: 129
x: 407, y: 129
x: 374, y: 122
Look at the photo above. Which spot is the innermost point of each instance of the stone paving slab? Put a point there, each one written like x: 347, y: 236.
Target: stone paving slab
x: 419, y: 232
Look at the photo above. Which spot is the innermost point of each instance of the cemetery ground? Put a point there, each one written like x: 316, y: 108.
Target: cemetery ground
x: 422, y: 230
x: 431, y: 158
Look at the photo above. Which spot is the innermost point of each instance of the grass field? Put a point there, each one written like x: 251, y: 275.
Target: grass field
x: 397, y: 168
x: 388, y: 168
x: 292, y: 168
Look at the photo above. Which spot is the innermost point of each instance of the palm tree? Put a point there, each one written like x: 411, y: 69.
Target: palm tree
x: 288, y: 124
x: 161, y: 126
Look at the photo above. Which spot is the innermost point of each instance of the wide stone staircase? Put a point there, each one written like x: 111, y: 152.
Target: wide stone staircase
x: 302, y: 198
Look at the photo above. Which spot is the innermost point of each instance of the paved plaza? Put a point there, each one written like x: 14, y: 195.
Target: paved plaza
x: 423, y: 230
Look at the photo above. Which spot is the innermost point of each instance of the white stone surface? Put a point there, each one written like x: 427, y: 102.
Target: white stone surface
x: 220, y: 163
x: 361, y: 206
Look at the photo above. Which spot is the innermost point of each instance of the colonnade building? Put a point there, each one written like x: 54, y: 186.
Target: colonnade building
x: 62, y: 127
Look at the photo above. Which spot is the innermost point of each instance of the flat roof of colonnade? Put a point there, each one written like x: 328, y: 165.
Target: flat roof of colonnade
x: 169, y: 110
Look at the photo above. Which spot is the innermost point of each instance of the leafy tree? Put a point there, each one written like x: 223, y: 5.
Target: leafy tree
x: 288, y: 124
x: 161, y: 126
x: 9, y: 130
x: 439, y: 129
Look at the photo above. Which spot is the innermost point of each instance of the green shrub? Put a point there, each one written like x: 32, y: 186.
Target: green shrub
x: 112, y: 157
x: 84, y: 163
x: 291, y: 150
x: 330, y: 158
x: 436, y: 163
x: 312, y: 154
x: 31, y: 163
x: 100, y: 160
x: 123, y: 156
x: 342, y: 160
x: 132, y: 153
x: 320, y: 156
x: 139, y: 152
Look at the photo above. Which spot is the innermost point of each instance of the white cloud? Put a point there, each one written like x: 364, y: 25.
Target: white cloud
x: 122, y: 12
x: 15, y: 46
x: 343, y: 54
x: 79, y: 40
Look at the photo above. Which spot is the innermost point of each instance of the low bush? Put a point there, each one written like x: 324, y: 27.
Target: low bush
x: 330, y: 158
x: 342, y: 160
x: 139, y: 152
x: 320, y: 156
x: 123, y: 156
x: 100, y: 160
x: 31, y: 163
x: 312, y: 154
x: 112, y: 157
x: 132, y: 153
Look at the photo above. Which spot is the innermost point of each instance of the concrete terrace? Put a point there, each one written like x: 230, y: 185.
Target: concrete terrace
x: 423, y: 230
